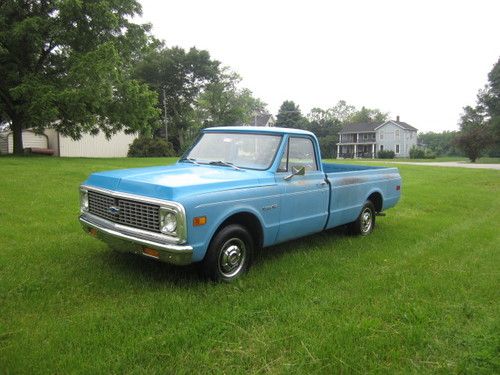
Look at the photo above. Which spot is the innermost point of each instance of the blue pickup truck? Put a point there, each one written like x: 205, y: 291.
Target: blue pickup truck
x: 237, y: 189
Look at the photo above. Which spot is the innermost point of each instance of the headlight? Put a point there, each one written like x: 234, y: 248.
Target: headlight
x: 168, y: 222
x: 84, y: 201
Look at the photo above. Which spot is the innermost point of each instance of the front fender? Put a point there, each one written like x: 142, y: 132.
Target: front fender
x: 234, y: 211
x: 218, y: 221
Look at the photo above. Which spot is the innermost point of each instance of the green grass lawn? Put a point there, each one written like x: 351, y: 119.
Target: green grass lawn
x: 483, y: 160
x: 420, y: 295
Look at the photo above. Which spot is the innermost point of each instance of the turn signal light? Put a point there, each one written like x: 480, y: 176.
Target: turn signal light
x: 200, y: 220
x: 398, y: 187
x: 151, y: 252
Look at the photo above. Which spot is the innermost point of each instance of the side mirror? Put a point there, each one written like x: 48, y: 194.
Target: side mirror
x: 296, y: 171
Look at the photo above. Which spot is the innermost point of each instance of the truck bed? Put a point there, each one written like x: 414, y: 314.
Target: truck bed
x: 351, y: 185
x: 336, y: 168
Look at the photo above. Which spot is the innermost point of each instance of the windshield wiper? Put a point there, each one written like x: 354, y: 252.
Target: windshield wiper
x: 227, y: 164
x: 191, y: 160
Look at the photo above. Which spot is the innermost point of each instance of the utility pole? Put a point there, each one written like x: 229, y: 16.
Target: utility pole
x: 165, y: 113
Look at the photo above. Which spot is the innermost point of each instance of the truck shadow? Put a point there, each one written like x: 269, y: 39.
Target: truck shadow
x: 278, y: 251
x: 142, y: 269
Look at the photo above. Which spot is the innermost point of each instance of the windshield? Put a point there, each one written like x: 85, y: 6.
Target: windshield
x: 243, y: 150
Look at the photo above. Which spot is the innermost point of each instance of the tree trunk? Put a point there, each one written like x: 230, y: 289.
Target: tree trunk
x: 17, y: 131
x: 181, y: 138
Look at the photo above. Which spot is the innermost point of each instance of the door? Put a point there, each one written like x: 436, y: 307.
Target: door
x: 304, y: 198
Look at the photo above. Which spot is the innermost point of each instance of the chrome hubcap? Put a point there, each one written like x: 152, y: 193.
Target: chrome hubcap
x: 366, y: 220
x: 232, y: 257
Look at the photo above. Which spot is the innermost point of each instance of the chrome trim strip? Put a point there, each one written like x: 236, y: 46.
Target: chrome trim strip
x: 178, y: 249
x: 178, y: 208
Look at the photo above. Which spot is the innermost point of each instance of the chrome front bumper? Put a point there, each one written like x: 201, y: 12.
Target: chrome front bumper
x: 125, y: 239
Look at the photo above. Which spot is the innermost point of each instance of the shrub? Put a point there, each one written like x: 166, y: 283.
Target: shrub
x: 420, y: 153
x: 429, y: 154
x: 417, y: 153
x: 386, y: 154
x: 146, y: 146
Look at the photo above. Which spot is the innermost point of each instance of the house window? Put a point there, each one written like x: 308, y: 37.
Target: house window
x: 381, y: 147
x: 397, y: 149
x: 397, y: 133
x: 381, y: 135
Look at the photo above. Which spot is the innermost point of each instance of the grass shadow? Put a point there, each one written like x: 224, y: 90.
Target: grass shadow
x: 294, y: 246
x: 142, y: 269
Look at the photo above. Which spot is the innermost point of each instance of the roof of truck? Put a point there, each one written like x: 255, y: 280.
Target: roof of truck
x: 259, y: 129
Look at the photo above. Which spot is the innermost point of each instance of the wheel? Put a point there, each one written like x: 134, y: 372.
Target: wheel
x: 365, y: 222
x: 229, y: 254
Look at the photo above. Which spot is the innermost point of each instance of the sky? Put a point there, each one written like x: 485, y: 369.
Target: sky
x: 421, y: 60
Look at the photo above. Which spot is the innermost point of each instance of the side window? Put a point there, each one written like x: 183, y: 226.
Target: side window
x: 284, y: 161
x: 301, y: 153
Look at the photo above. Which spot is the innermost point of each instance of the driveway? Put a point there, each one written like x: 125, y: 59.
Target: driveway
x: 459, y: 164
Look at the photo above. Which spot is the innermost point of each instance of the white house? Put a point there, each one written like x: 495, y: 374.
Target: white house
x: 365, y: 140
x: 263, y: 119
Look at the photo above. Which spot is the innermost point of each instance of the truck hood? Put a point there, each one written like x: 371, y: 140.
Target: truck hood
x: 173, y: 182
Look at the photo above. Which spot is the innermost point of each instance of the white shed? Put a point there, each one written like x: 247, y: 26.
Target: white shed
x: 30, y: 139
x: 90, y: 146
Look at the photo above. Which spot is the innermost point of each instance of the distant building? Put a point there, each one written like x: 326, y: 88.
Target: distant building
x: 263, y: 119
x: 365, y: 140
x: 90, y: 146
x: 257, y: 119
x: 30, y: 140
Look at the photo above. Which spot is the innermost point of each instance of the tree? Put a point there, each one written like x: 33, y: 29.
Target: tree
x: 290, y: 116
x: 342, y: 111
x: 480, y: 125
x: 474, y: 136
x: 439, y: 143
x: 325, y: 125
x: 178, y: 77
x: 224, y: 103
x: 66, y: 65
x: 367, y: 115
x: 489, y: 101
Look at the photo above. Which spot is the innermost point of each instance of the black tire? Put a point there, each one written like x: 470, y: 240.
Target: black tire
x: 229, y: 255
x: 365, y: 223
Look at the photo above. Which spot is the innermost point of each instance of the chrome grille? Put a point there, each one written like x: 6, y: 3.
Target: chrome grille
x: 124, y: 211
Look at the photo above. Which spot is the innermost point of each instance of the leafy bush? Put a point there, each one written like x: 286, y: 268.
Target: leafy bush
x: 420, y: 153
x: 429, y: 154
x: 146, y: 146
x: 386, y: 154
x: 417, y: 153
